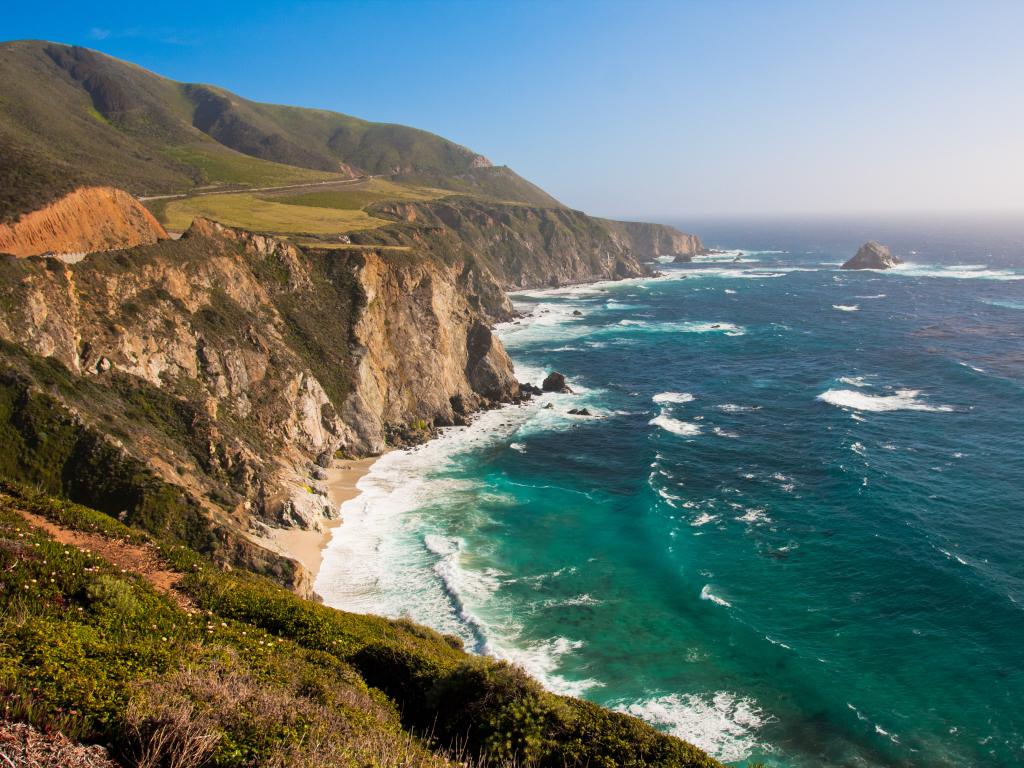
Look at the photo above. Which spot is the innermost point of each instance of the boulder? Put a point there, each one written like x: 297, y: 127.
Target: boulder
x: 526, y: 391
x: 872, y: 255
x: 579, y: 412
x: 555, y: 382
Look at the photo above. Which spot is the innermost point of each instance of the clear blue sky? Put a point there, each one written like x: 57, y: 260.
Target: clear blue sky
x: 661, y: 109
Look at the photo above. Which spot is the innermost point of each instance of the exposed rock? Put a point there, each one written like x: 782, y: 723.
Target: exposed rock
x: 579, y: 412
x: 648, y: 242
x: 548, y: 406
x: 86, y: 220
x: 516, y: 246
x: 577, y: 313
x: 873, y: 255
x: 272, y: 359
x: 555, y: 382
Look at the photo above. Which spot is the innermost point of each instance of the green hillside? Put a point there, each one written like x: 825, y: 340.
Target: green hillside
x: 69, y: 115
x: 118, y: 636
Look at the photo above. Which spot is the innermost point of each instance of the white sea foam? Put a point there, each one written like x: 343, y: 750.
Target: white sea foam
x: 722, y: 723
x: 703, y: 519
x: 725, y: 432
x: 691, y: 326
x: 733, y: 408
x: 1004, y: 303
x: 859, y: 449
x: 873, y: 296
x: 707, y: 594
x: 668, y: 496
x: 543, y: 658
x: 955, y: 271
x: 673, y: 397
x: 901, y: 400
x: 846, y: 307
x: 729, y: 290
x: 675, y: 426
x: 754, y: 515
x: 390, y: 559
x: 854, y: 381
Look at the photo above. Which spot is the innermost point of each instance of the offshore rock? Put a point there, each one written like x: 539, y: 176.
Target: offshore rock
x: 873, y: 255
x: 555, y: 382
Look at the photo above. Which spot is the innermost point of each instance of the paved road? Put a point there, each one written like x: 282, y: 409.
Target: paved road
x: 333, y: 182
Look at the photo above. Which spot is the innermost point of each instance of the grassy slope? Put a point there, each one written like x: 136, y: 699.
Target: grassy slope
x: 248, y: 211
x: 71, y: 116
x: 98, y: 652
x: 324, y: 211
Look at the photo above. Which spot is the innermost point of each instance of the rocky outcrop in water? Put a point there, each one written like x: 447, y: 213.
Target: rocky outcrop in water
x: 872, y: 255
x: 555, y: 382
x: 86, y: 220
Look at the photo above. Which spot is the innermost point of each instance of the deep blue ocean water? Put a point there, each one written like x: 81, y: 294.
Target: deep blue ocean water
x: 794, y: 529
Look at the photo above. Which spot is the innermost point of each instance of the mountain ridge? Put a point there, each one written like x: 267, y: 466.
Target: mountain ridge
x: 116, y: 123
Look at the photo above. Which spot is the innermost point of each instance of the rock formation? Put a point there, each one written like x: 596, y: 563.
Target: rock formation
x: 872, y: 255
x: 233, y: 365
x: 555, y: 382
x: 86, y: 220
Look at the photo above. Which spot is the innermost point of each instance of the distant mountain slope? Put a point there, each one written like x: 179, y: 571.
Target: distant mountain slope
x: 69, y: 115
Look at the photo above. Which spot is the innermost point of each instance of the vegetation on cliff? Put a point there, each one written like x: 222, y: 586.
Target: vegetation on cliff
x: 116, y: 636
x: 189, y: 394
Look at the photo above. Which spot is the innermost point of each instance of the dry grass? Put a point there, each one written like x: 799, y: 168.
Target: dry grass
x: 22, y: 746
x: 178, y: 721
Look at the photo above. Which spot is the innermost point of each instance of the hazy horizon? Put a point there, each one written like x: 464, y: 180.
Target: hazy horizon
x: 647, y: 110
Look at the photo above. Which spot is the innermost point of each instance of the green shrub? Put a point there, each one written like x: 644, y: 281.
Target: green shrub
x: 113, y: 598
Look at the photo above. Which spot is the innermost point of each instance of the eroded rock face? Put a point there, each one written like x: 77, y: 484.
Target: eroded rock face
x: 872, y: 255
x: 233, y: 363
x: 86, y: 220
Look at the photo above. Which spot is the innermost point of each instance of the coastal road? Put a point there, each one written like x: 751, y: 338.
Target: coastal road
x: 219, y: 191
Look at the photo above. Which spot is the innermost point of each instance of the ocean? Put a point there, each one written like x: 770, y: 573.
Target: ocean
x: 793, y: 529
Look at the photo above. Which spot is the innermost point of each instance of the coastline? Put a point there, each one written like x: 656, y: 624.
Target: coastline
x: 308, y: 546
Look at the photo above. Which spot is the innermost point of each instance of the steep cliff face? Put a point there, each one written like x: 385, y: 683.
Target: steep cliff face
x: 85, y: 220
x: 519, y: 246
x: 234, y: 365
x: 649, y: 241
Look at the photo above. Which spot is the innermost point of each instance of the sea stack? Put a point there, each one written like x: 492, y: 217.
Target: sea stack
x: 873, y: 255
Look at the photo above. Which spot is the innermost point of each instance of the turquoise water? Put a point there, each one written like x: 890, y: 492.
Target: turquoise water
x: 793, y: 530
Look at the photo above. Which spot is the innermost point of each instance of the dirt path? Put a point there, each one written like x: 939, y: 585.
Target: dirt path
x: 141, y: 559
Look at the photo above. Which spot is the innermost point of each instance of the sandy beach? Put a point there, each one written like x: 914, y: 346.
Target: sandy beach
x: 307, y: 546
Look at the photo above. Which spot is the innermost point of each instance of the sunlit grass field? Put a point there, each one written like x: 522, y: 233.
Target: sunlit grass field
x: 321, y: 212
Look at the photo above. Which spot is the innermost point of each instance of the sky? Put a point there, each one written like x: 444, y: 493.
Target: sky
x: 632, y: 109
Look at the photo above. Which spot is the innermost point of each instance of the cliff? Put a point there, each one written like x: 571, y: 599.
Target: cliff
x: 85, y: 220
x: 233, y: 365
x: 518, y: 246
x: 650, y: 241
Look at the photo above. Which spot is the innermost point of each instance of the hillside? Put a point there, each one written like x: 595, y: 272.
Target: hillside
x: 177, y: 398
x: 116, y: 636
x: 70, y: 115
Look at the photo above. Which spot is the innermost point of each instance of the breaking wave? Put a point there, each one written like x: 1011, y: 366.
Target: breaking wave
x: 901, y: 400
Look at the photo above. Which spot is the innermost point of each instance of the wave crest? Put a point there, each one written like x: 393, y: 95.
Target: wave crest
x: 902, y: 400
x: 722, y: 723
